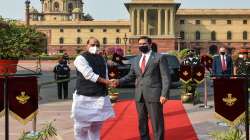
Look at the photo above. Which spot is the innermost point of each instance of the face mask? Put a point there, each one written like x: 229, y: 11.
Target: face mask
x: 222, y: 53
x: 191, y: 54
x: 144, y: 49
x: 93, y: 50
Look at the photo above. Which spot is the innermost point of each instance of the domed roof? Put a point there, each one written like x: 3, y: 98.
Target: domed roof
x: 76, y: 10
x: 33, y: 10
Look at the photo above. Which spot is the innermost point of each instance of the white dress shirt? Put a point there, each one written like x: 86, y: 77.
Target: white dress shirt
x: 82, y: 66
x: 90, y: 109
x: 147, y: 57
x: 221, y: 58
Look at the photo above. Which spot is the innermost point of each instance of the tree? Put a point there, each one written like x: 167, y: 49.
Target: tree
x: 88, y: 17
x: 19, y: 41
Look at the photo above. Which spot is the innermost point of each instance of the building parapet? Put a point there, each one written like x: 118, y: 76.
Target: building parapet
x: 204, y: 12
x: 82, y: 23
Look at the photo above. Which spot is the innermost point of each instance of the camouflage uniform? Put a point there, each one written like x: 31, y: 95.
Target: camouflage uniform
x: 191, y: 61
x: 243, y: 68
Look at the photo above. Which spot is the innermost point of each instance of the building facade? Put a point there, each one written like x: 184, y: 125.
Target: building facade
x: 170, y: 27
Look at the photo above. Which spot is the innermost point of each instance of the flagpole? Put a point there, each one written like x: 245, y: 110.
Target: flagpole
x: 6, y: 96
x: 247, y: 111
x: 6, y: 106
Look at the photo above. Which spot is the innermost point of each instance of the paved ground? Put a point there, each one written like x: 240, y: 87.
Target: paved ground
x: 51, y: 108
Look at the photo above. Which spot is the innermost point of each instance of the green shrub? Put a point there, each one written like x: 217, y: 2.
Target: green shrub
x: 18, y: 41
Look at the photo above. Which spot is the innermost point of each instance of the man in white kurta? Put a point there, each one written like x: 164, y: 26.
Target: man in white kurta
x: 91, y: 105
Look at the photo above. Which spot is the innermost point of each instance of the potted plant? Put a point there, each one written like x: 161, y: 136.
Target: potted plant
x: 113, y: 94
x: 185, y: 95
x: 48, y: 131
x: 18, y: 41
x: 113, y: 71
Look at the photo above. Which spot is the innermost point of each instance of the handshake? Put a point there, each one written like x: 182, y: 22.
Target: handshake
x: 112, y: 83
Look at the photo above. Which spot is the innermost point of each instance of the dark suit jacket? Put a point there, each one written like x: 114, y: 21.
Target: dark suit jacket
x: 154, y: 82
x: 217, y: 67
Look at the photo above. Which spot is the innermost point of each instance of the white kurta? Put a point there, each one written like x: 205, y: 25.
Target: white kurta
x: 90, y: 109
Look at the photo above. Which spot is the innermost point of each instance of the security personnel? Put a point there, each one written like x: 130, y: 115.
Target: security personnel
x: 241, y: 64
x: 192, y: 60
x: 66, y: 57
x: 62, y: 72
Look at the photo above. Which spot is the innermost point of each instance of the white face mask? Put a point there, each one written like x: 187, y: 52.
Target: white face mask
x: 93, y: 50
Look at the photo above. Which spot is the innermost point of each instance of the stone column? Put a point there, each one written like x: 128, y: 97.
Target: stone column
x: 173, y: 25
x: 172, y: 22
x: 145, y: 21
x: 159, y: 21
x: 50, y: 6
x: 138, y: 22
x: 166, y: 21
x: 132, y: 22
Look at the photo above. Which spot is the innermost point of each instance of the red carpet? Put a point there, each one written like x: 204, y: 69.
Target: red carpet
x: 124, y: 125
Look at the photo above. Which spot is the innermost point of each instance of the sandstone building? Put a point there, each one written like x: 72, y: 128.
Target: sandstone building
x: 170, y: 27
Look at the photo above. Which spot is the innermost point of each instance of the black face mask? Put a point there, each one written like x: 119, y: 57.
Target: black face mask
x: 191, y: 54
x: 222, y: 53
x: 144, y: 49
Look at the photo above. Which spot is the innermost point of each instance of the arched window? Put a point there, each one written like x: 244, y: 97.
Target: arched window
x: 78, y: 40
x: 182, y: 35
x: 245, y: 36
x: 213, y: 35
x: 56, y: 7
x: 229, y: 35
x: 70, y: 7
x: 118, y: 40
x: 61, y: 40
x: 197, y: 35
x: 104, y: 40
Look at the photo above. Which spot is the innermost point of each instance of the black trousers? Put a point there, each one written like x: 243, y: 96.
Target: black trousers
x: 62, y: 86
x: 155, y: 111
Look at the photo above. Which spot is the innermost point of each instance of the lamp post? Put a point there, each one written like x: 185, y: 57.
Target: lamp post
x: 125, y: 39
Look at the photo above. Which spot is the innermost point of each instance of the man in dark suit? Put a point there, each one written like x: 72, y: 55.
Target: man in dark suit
x: 152, y: 76
x: 222, y: 64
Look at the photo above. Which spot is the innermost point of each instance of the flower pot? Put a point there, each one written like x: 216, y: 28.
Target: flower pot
x: 113, y: 97
x: 186, y: 97
x: 8, y: 66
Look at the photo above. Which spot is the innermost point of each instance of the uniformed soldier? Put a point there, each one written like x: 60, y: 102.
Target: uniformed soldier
x: 242, y: 65
x: 66, y: 57
x: 62, y: 72
x: 191, y: 59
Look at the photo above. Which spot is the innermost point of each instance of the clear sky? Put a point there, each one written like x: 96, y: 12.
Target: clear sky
x: 114, y: 9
